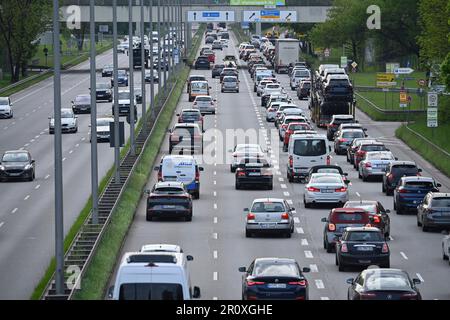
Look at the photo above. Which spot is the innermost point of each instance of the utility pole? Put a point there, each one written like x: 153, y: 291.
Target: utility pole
x: 144, y: 59
x: 159, y: 52
x: 152, y: 80
x: 94, y: 154
x: 116, y: 95
x: 166, y: 59
x: 131, y: 76
x: 59, y: 213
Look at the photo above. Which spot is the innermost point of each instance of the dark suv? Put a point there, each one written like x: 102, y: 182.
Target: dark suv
x: 395, y: 172
x: 217, y: 70
x: 202, y: 62
x: 169, y: 200
x: 336, y: 121
x: 434, y: 211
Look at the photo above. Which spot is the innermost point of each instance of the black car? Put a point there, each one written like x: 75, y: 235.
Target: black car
x: 274, y: 279
x: 202, y: 62
x: 303, y: 90
x: 434, y: 212
x: 103, y: 92
x: 138, y: 95
x: 395, y: 171
x: 209, y: 40
x: 378, y: 215
x: 345, y: 138
x: 362, y: 246
x: 217, y: 70
x: 17, y: 165
x: 169, y: 200
x: 383, y: 284
x: 107, y: 71
x: 254, y: 171
x: 82, y: 104
x: 164, y: 64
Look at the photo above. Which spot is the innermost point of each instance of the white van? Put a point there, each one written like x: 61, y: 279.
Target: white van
x: 183, y: 169
x: 305, y: 152
x: 198, y: 88
x: 154, y: 275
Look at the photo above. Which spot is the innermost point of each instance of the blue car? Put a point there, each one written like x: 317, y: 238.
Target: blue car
x: 411, y: 191
x: 122, y: 79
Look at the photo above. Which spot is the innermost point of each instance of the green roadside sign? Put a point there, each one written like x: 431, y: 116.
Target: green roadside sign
x: 258, y: 2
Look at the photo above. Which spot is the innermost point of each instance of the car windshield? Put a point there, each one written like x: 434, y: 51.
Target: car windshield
x: 302, y: 74
x: 441, y: 202
x: 405, y: 170
x: 229, y: 79
x: 191, y: 114
x: 83, y: 99
x: 325, y: 179
x: 310, y: 147
x: 4, y: 102
x: 124, y: 95
x: 371, y: 208
x: 151, y: 291
x: 380, y: 156
x: 103, y: 86
x: 387, y: 281
x: 187, y: 132
x: 328, y: 170
x: 343, y: 217
x: 363, y: 236
x: 268, y: 207
x: 373, y: 147
x: 121, y: 72
x: 66, y: 114
x: 172, y: 190
x: 273, y: 269
x: 250, y: 149
x: 353, y: 134
x: 15, y: 157
x: 339, y: 82
x: 273, y: 86
x: 254, y: 160
x: 204, y: 99
x: 298, y: 127
x: 420, y: 184
x: 103, y: 122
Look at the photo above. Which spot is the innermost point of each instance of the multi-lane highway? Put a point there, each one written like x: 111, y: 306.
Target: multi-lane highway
x: 26, y: 214
x: 216, y: 236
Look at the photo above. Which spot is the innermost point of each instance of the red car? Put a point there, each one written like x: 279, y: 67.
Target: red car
x: 292, y: 127
x: 211, y: 56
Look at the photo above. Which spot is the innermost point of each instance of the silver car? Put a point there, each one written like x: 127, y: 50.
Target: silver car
x: 374, y: 163
x: 326, y: 188
x: 5, y: 108
x: 69, y: 122
x: 269, y: 215
x: 230, y: 83
x: 206, y: 104
x: 446, y: 247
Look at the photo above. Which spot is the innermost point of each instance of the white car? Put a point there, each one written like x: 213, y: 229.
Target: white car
x: 206, y: 104
x: 224, y: 43
x: 6, y: 108
x: 103, y: 132
x: 69, y: 122
x: 124, y: 102
x: 446, y: 247
x: 272, y: 88
x: 261, y: 86
x: 325, y: 188
x: 298, y: 76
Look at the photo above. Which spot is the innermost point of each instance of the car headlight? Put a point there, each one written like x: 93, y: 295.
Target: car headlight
x: 28, y: 167
x: 2, y: 168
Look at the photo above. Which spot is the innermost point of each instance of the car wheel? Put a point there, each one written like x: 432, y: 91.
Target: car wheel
x: 359, y: 175
x: 336, y: 262
x: 306, y: 204
x: 285, y: 148
x: 237, y: 186
x: 329, y: 248
x: 419, y: 224
x: 425, y: 228
x: 365, y: 179
x: 270, y: 187
x: 383, y: 189
x: 188, y: 218
x: 389, y: 192
x: 149, y: 218
x: 197, y: 195
x: 399, y: 210
x: 290, y: 178
x: 444, y: 256
x: 248, y: 234
x: 288, y: 235
x: 232, y: 169
x: 341, y: 267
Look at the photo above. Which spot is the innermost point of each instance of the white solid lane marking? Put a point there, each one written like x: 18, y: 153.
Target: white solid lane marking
x: 290, y: 202
x: 37, y: 187
x: 286, y: 194
x: 26, y: 198
x: 47, y: 176
x: 215, y: 254
x: 300, y: 231
x: 296, y: 220
x: 324, y: 298
x: 319, y: 284
x: 281, y: 179
x: 1, y: 224
x: 215, y: 276
x: 215, y: 206
x: 283, y: 186
x: 215, y: 235
x: 308, y: 254
x: 314, y: 268
x: 14, y: 210
x: 304, y: 242
x: 404, y: 255
x: 420, y: 277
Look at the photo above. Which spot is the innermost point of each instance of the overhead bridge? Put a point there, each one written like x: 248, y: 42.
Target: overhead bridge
x: 295, y: 11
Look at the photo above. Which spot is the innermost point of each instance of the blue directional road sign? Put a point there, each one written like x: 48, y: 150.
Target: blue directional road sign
x: 211, y: 14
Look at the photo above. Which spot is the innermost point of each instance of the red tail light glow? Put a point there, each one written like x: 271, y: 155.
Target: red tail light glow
x: 254, y: 283
x: 159, y: 175
x: 298, y: 283
x: 343, y: 140
x: 331, y: 227
x: 250, y: 216
x: 390, y: 177
x: 285, y: 216
x: 197, y: 175
x: 313, y: 189
x: 385, y: 248
x: 291, y: 162
x: 364, y: 296
x: 368, y: 165
x: 402, y: 190
x: 376, y: 219
x: 241, y: 173
x: 342, y: 189
x: 328, y: 160
x: 344, y: 248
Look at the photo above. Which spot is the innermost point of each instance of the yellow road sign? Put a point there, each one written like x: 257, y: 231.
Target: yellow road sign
x: 386, y: 80
x: 403, y: 97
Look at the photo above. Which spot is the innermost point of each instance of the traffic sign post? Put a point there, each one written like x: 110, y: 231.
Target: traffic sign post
x: 386, y: 80
x: 432, y: 99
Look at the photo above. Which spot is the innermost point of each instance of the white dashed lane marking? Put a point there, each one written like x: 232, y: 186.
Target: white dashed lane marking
x: 403, y: 255
x: 14, y: 210
x: 296, y: 220
x: 308, y: 254
x: 26, y: 198
x: 215, y: 276
x: 304, y: 242
x: 300, y: 231
x: 319, y: 284
x: 314, y: 268
x: 1, y: 224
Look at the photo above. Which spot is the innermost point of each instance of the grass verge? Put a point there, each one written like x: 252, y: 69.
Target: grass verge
x: 98, y: 273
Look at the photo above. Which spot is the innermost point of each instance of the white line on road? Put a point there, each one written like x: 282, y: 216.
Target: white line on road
x: 319, y: 284
x: 215, y: 206
x: 286, y: 194
x: 420, y: 277
x: 36, y: 137
x: 314, y: 268
x: 26, y: 198
x: 215, y: 220
x: 300, y: 231
x: 1, y: 224
x: 37, y: 187
x: 71, y: 151
x: 26, y: 144
x: 283, y: 186
x: 215, y: 254
x: 304, y: 242
x: 278, y: 173
x: 290, y: 202
x: 64, y: 159
x: 215, y: 276
x: 215, y: 193
x: 215, y: 298
x: 215, y: 173
x: 32, y: 140
x: 281, y: 179
x: 14, y: 210
x: 358, y: 195
x: 324, y: 298
x: 308, y: 254
x: 82, y: 139
x: 404, y: 255
x: 391, y: 238
x: 215, y: 235
x: 296, y: 220
x: 47, y: 176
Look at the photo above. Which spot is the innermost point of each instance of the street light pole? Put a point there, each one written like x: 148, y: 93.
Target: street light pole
x: 152, y: 80
x: 116, y: 95
x: 94, y: 159
x: 166, y: 60
x: 59, y: 214
x: 159, y: 51
x: 131, y: 76
x: 171, y: 43
x: 144, y: 58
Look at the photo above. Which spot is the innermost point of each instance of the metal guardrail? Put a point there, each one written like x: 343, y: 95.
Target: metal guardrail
x: 85, y: 243
x: 14, y: 85
x: 389, y: 112
x: 428, y: 142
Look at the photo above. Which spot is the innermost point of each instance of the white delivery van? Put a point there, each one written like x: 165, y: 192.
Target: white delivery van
x: 154, y: 275
x: 305, y: 152
x: 198, y: 88
x: 181, y: 168
x: 287, y: 51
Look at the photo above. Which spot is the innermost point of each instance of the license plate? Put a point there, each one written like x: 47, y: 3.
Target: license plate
x: 254, y: 174
x: 276, y: 285
x: 365, y: 261
x: 266, y: 225
x: 326, y: 191
x: 365, y: 249
x: 169, y: 207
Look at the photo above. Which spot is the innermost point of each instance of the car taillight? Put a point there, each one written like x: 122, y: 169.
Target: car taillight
x: 344, y: 248
x: 174, y: 137
x: 313, y: 189
x: 331, y: 227
x: 250, y: 216
x: 402, y: 190
x: 291, y: 162
x: 284, y: 126
x: 289, y: 132
x: 343, y: 140
x: 254, y: 283
x: 361, y: 153
x: 328, y: 160
x: 368, y: 165
x: 390, y: 177
x: 364, y: 296
x: 376, y: 219
x: 385, y: 248
x: 342, y: 189
x: 197, y: 175
x: 159, y: 175
x: 241, y: 173
x: 298, y: 283
x: 285, y: 216
x: 408, y: 296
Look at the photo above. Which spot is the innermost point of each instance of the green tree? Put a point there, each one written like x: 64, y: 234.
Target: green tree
x: 21, y: 22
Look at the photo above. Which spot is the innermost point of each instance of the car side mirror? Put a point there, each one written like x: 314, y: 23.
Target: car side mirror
x: 147, y: 192
x: 329, y: 148
x: 306, y: 270
x: 111, y: 292
x: 350, y: 281
x: 324, y: 220
x: 189, y: 258
x: 417, y: 281
x: 388, y: 149
x: 292, y: 209
x: 50, y: 118
x: 242, y: 269
x: 169, y: 130
x: 156, y: 169
x: 419, y: 170
x: 346, y: 174
x: 246, y: 210
x: 438, y: 185
x: 201, y: 169
x: 196, y: 294
x: 33, y: 161
x: 387, y: 211
x: 445, y: 232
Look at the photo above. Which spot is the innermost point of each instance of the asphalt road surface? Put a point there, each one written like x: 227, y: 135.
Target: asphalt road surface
x: 27, y: 208
x: 216, y: 236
